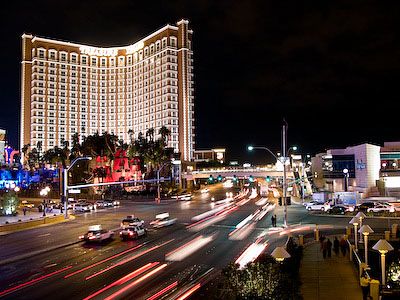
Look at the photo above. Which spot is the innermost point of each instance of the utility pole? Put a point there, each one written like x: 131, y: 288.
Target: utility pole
x: 284, y: 174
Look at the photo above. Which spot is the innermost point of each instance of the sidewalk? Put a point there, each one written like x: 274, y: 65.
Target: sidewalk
x: 331, y: 278
x: 30, y: 215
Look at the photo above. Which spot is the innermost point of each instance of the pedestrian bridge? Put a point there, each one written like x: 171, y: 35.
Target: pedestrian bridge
x: 240, y: 173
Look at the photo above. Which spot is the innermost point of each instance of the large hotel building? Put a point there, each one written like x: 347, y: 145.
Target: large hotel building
x: 71, y: 88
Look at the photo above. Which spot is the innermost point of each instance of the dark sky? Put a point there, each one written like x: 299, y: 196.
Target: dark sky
x: 330, y: 68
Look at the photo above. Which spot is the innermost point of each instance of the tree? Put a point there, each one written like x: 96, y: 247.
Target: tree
x: 165, y: 133
x: 56, y: 156
x: 9, y: 203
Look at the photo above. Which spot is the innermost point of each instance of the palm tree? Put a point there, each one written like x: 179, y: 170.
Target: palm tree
x: 150, y: 134
x: 165, y: 133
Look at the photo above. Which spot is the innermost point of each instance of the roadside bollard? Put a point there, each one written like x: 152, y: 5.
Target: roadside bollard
x: 348, y: 230
x: 301, y: 240
x: 394, y: 230
x: 316, y: 235
x: 387, y: 235
x: 374, y: 289
x: 352, y: 247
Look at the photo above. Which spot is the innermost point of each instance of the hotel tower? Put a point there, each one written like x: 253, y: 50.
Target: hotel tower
x: 70, y: 88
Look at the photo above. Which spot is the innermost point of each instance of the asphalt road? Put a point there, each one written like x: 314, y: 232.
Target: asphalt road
x: 172, y: 261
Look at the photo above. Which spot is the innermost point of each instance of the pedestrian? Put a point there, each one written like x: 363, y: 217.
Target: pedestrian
x: 336, y: 245
x: 324, y: 247
x: 343, y: 246
x: 364, y: 283
x: 24, y: 210
x: 275, y: 218
x: 329, y: 247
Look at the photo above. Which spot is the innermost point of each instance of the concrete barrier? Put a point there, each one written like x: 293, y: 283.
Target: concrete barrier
x: 394, y: 230
x: 30, y: 223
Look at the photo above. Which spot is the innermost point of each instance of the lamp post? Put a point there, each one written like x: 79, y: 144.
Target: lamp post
x: 366, y: 230
x: 65, y: 183
x: 360, y: 215
x: 280, y: 254
x: 44, y: 193
x: 346, y: 179
x: 251, y: 148
x: 355, y: 221
x: 158, y: 182
x: 383, y: 247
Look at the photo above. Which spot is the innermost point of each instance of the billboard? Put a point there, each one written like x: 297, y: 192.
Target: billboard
x: 346, y: 198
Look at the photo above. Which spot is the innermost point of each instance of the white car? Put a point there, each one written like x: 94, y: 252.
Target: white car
x: 133, y: 232
x: 163, y: 220
x: 82, y: 207
x: 96, y: 234
x: 381, y: 208
x: 131, y: 220
x: 311, y: 202
x: 319, y: 206
x: 204, y: 191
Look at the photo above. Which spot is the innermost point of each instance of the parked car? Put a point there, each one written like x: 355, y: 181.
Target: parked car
x: 82, y: 207
x: 131, y: 220
x: 163, y: 220
x: 96, y: 234
x: 319, y: 206
x: 133, y: 232
x: 100, y: 204
x: 381, y: 208
x: 71, y: 204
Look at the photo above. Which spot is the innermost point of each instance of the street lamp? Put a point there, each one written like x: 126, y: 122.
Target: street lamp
x: 383, y: 247
x: 355, y: 221
x: 44, y: 193
x: 251, y: 148
x: 365, y: 230
x: 65, y: 185
x: 346, y: 179
x: 360, y: 215
x: 280, y: 254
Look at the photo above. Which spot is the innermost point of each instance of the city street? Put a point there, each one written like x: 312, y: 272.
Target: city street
x: 169, y: 260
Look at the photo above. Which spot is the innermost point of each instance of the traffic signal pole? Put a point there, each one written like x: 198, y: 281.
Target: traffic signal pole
x: 284, y: 175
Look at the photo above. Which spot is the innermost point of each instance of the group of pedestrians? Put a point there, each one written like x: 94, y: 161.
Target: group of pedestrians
x: 326, y: 246
x: 273, y: 220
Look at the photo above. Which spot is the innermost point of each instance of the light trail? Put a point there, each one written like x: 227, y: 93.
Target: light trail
x: 188, y: 248
x: 251, y: 253
x: 103, y: 261
x: 32, y: 281
x: 123, y: 279
x: 151, y: 273
x: 163, y: 291
x: 189, y: 292
x: 129, y: 259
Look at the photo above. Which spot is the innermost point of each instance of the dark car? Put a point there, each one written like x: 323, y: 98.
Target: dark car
x: 364, y: 206
x: 337, y: 210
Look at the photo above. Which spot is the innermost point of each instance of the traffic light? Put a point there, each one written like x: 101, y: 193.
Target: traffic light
x: 288, y: 200
x: 280, y: 201
x: 211, y: 178
x: 234, y: 178
x: 268, y: 179
x: 251, y: 178
x: 219, y: 178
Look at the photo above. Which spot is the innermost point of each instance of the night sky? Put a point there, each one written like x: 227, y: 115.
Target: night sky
x: 331, y: 69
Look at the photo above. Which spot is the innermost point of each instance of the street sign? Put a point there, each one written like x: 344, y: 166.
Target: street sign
x: 74, y: 191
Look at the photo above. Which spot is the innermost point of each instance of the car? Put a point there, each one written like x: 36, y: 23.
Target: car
x: 337, y: 210
x: 318, y: 206
x: 131, y: 221
x: 100, y: 204
x: 364, y: 206
x: 71, y: 204
x: 82, y: 207
x: 311, y: 202
x: 381, y: 208
x: 25, y: 203
x: 96, y: 234
x: 133, y: 232
x: 163, y: 220
x: 204, y: 191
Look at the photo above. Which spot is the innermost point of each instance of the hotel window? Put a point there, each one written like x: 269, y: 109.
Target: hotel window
x: 172, y: 41
x: 112, y: 62
x: 52, y: 56
x: 93, y: 61
x: 74, y: 58
x: 158, y: 46
x: 129, y: 60
x: 84, y: 61
x: 164, y: 42
x: 103, y: 62
x: 63, y: 57
x: 41, y: 53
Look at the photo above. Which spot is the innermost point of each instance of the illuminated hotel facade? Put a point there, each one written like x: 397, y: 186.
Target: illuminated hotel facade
x: 70, y: 88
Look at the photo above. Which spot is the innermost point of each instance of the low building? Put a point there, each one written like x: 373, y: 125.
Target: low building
x: 210, y: 155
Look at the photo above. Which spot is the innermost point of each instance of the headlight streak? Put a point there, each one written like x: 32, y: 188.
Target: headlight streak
x: 189, y: 248
x: 251, y: 253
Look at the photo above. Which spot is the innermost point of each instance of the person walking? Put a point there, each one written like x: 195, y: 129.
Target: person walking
x: 24, y: 210
x: 324, y: 247
x: 329, y: 247
x: 343, y: 246
x: 364, y: 283
x: 273, y: 221
x: 275, y: 218
x: 336, y: 246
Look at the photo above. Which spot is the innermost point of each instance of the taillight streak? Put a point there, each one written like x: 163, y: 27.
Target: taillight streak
x: 123, y: 279
x: 173, y: 251
x: 103, y: 261
x: 136, y: 282
x: 163, y: 291
x: 189, y: 292
x: 128, y: 260
x: 32, y: 281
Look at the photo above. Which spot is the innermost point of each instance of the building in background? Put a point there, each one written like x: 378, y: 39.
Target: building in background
x: 70, y: 88
x: 217, y: 155
x: 2, y: 145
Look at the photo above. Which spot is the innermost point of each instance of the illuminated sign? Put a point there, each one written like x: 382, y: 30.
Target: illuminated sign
x: 111, y: 51
x: 220, y: 156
